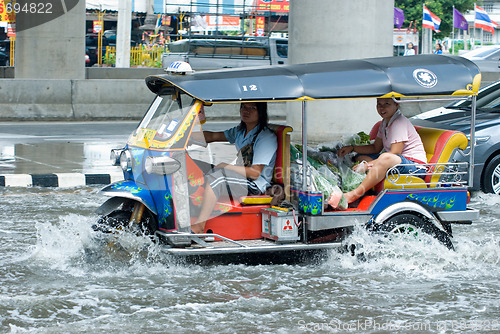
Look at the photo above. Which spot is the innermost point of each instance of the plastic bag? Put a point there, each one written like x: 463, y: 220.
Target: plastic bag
x: 350, y: 179
x: 331, y: 191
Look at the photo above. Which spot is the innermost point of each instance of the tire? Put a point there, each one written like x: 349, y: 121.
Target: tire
x: 412, y: 223
x: 491, y: 176
x: 119, y: 219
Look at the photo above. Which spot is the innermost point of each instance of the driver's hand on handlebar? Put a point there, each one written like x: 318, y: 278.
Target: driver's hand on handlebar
x: 345, y: 150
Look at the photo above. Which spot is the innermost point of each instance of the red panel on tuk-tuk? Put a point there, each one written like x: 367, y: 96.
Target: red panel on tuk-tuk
x: 364, y: 204
x: 241, y: 223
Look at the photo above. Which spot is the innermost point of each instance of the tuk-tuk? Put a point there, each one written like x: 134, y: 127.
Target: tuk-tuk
x: 163, y: 184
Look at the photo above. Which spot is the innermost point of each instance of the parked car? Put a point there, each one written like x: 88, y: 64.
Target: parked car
x: 455, y: 116
x: 4, y: 59
x: 487, y: 58
x: 110, y: 35
x: 4, y: 52
x: 91, y: 41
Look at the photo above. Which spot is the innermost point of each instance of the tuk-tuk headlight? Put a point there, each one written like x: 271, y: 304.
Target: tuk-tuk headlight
x: 162, y: 165
x: 126, y: 160
x: 114, y: 156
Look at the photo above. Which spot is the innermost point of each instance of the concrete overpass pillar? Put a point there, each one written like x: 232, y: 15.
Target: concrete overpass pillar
x: 51, y: 46
x: 338, y: 30
x: 123, y: 33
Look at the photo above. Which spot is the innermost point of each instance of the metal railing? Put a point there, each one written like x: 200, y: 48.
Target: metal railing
x: 450, y: 174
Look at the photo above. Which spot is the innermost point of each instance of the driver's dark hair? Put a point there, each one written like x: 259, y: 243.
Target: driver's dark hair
x: 263, y: 117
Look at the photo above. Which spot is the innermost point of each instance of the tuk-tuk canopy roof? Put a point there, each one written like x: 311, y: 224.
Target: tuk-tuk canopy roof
x: 412, y: 76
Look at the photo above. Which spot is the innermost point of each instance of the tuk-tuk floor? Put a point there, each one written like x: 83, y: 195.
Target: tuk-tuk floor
x: 249, y: 246
x: 247, y: 243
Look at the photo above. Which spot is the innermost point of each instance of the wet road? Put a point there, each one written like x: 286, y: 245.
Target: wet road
x: 57, y: 277
x: 66, y: 147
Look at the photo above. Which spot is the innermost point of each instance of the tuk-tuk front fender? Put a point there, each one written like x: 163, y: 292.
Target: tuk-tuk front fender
x: 126, y: 189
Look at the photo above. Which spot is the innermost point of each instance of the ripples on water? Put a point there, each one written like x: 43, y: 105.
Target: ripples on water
x: 56, y: 278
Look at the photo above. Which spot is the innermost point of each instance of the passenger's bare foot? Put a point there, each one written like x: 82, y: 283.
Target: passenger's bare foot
x: 198, y: 228
x: 351, y: 196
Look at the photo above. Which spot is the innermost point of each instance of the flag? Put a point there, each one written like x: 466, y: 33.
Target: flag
x: 399, y: 17
x: 158, y: 24
x: 483, y: 21
x: 158, y: 21
x: 459, y: 20
x: 430, y: 20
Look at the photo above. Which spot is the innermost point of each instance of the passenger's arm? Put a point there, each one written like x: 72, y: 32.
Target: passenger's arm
x: 397, y: 148
x: 374, y: 148
x: 214, y: 136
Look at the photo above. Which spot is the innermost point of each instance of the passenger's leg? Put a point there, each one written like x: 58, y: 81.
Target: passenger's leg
x: 374, y: 176
x: 209, y: 201
x: 363, y: 157
x: 219, y: 183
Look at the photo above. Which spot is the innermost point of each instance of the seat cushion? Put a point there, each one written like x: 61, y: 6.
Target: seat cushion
x: 253, y: 200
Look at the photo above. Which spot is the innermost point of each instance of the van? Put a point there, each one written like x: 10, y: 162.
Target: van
x: 213, y: 54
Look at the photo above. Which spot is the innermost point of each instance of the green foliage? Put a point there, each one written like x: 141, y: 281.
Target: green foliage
x: 442, y: 8
x: 109, y: 59
x: 362, y: 139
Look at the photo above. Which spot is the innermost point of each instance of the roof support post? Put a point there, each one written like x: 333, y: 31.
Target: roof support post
x: 304, y: 147
x: 472, y: 140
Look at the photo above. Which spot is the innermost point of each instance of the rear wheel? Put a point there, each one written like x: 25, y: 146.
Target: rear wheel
x: 413, y: 224
x: 491, y: 177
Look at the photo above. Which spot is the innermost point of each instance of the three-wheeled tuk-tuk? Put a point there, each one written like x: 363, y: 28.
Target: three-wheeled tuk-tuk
x: 163, y: 183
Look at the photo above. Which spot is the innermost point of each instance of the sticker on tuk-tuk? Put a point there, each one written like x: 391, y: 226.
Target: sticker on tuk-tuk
x: 165, y: 131
x: 425, y: 78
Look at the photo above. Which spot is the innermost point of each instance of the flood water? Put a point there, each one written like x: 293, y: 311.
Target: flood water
x: 57, y: 278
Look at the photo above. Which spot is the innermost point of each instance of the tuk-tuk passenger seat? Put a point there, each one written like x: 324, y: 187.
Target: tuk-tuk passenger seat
x: 439, y: 147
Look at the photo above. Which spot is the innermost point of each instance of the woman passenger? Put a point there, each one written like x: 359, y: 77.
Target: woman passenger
x: 402, y: 145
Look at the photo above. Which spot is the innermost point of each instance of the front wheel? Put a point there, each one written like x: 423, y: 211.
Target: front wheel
x: 491, y: 177
x: 412, y: 224
x: 120, y: 220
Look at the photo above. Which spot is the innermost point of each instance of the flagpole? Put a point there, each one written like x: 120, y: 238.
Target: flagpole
x: 466, y: 47
x: 430, y: 42
x: 453, y: 33
x: 472, y: 46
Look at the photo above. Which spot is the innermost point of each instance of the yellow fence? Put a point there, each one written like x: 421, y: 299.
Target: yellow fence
x: 140, y: 56
x: 12, y: 51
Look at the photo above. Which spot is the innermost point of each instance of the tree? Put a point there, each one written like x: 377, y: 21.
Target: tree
x: 442, y: 8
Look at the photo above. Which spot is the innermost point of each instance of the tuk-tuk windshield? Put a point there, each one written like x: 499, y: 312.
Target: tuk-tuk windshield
x: 166, y: 114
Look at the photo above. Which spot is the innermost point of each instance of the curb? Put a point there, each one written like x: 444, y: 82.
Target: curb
x: 61, y: 180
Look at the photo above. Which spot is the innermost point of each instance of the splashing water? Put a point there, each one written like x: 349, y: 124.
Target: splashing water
x: 60, y: 277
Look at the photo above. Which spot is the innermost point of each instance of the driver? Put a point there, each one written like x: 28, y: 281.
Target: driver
x: 252, y: 173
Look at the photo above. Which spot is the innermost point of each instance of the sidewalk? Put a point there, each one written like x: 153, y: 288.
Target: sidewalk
x: 68, y: 154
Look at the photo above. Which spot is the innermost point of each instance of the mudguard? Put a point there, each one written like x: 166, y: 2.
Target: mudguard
x: 126, y: 189
x: 406, y: 206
